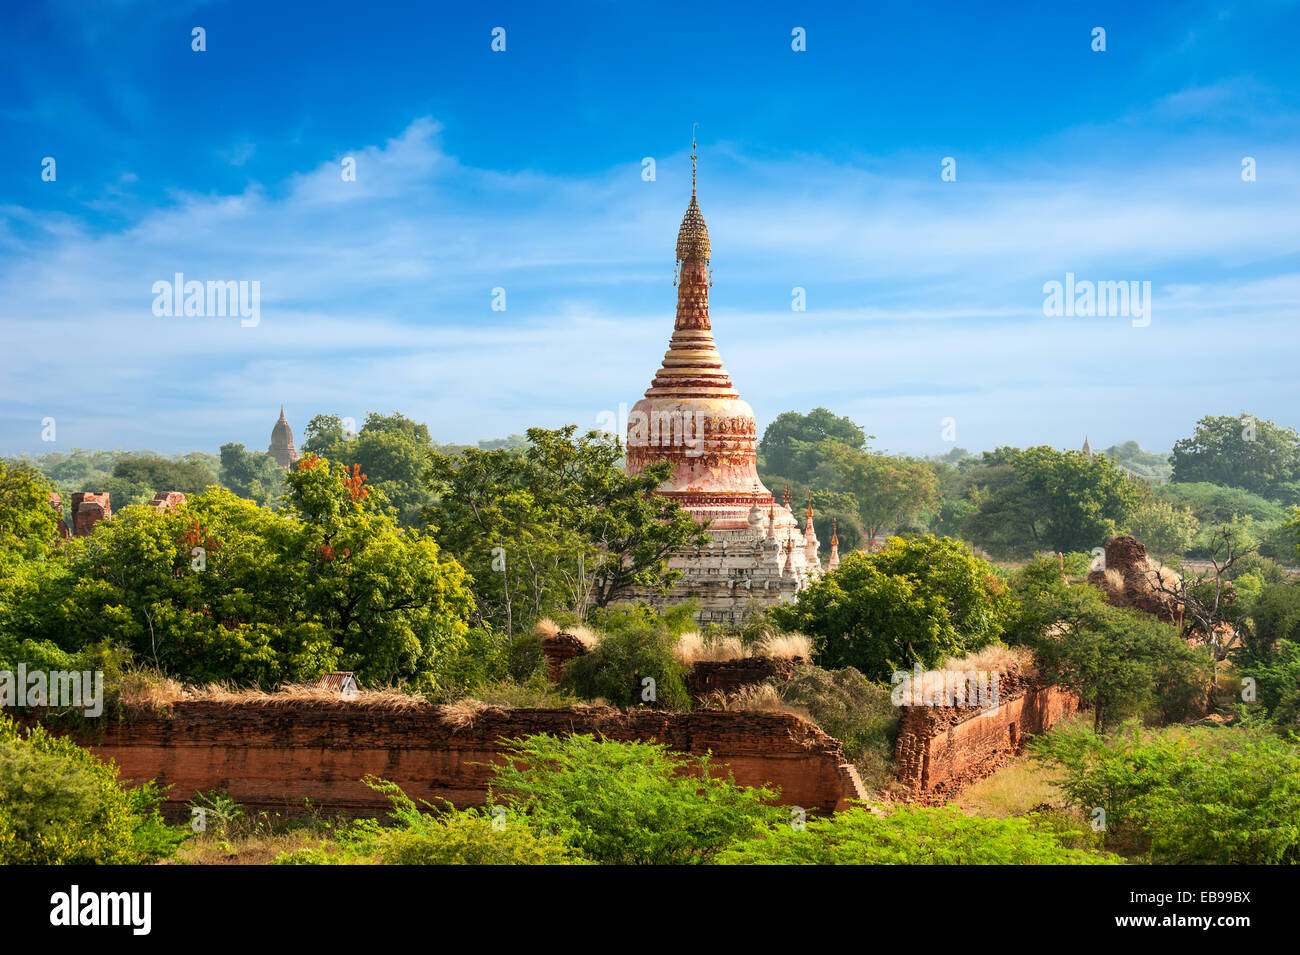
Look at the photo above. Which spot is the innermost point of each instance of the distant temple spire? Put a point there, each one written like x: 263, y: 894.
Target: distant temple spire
x: 835, y: 544
x: 1087, y: 448
x: 282, y: 448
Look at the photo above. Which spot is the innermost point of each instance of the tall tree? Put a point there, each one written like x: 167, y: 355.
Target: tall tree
x: 1044, y: 499
x: 393, y: 451
x: 919, y: 600
x: 560, y: 522
x: 28, y: 525
x: 252, y: 475
x: 1244, y: 452
x: 791, y: 447
x: 888, y: 491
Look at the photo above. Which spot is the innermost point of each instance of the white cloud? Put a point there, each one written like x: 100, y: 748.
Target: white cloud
x: 923, y: 296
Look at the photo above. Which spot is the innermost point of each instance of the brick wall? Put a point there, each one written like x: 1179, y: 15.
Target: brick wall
x: 731, y: 675
x: 88, y: 509
x: 274, y: 756
x: 942, y: 748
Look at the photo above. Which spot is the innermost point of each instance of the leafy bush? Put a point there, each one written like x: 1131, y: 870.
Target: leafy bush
x: 1121, y: 662
x: 1165, y: 527
x: 1280, y: 541
x: 329, y: 582
x: 919, y: 600
x: 628, y: 803
x: 1277, y: 683
x: 436, y: 837
x: 638, y: 648
x: 60, y: 805
x: 1276, y: 614
x: 854, y: 710
x: 220, y: 813
x: 1219, y: 797
x: 910, y: 836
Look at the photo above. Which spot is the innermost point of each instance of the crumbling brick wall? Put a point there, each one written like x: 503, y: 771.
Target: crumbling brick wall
x: 167, y: 500
x: 88, y: 509
x: 1128, y: 579
x: 277, y: 755
x: 559, y: 649
x: 729, y: 676
x: 56, y: 503
x: 942, y: 748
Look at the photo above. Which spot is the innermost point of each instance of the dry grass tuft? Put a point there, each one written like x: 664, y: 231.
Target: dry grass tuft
x: 785, y: 646
x: 693, y: 647
x: 465, y: 713
x: 991, y: 659
x: 754, y: 698
x: 385, y: 698
x: 546, y: 627
x: 146, y: 692
x: 588, y: 638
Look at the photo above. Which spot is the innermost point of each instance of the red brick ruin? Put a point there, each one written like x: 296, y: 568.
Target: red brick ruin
x: 91, y: 507
x: 273, y: 756
x: 940, y: 749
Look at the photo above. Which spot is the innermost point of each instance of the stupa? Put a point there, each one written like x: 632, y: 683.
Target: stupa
x: 693, y: 417
x: 282, y: 448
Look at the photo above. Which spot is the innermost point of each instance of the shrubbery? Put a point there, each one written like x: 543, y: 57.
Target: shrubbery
x: 1121, y: 662
x: 60, y: 805
x: 440, y: 837
x: 854, y: 710
x: 629, y: 803
x: 635, y: 644
x: 910, y: 836
x: 919, y: 600
x: 1214, y: 796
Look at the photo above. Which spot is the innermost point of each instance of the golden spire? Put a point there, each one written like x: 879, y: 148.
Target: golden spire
x: 785, y: 497
x: 835, y: 533
x: 810, y: 505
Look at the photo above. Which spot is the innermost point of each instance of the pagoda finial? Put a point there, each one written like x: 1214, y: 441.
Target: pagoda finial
x: 694, y: 126
x: 693, y: 236
x: 810, y: 505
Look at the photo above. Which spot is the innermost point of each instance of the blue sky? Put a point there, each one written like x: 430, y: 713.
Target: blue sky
x: 523, y: 170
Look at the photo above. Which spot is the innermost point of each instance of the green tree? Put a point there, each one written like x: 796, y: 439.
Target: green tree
x: 28, y: 525
x: 560, y: 522
x: 251, y: 474
x: 1119, y: 661
x: 918, y: 600
x: 1043, y: 499
x: 888, y: 491
x: 393, y: 452
x: 1165, y: 529
x: 162, y: 474
x: 1245, y: 452
x: 791, y: 446
x: 225, y: 590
